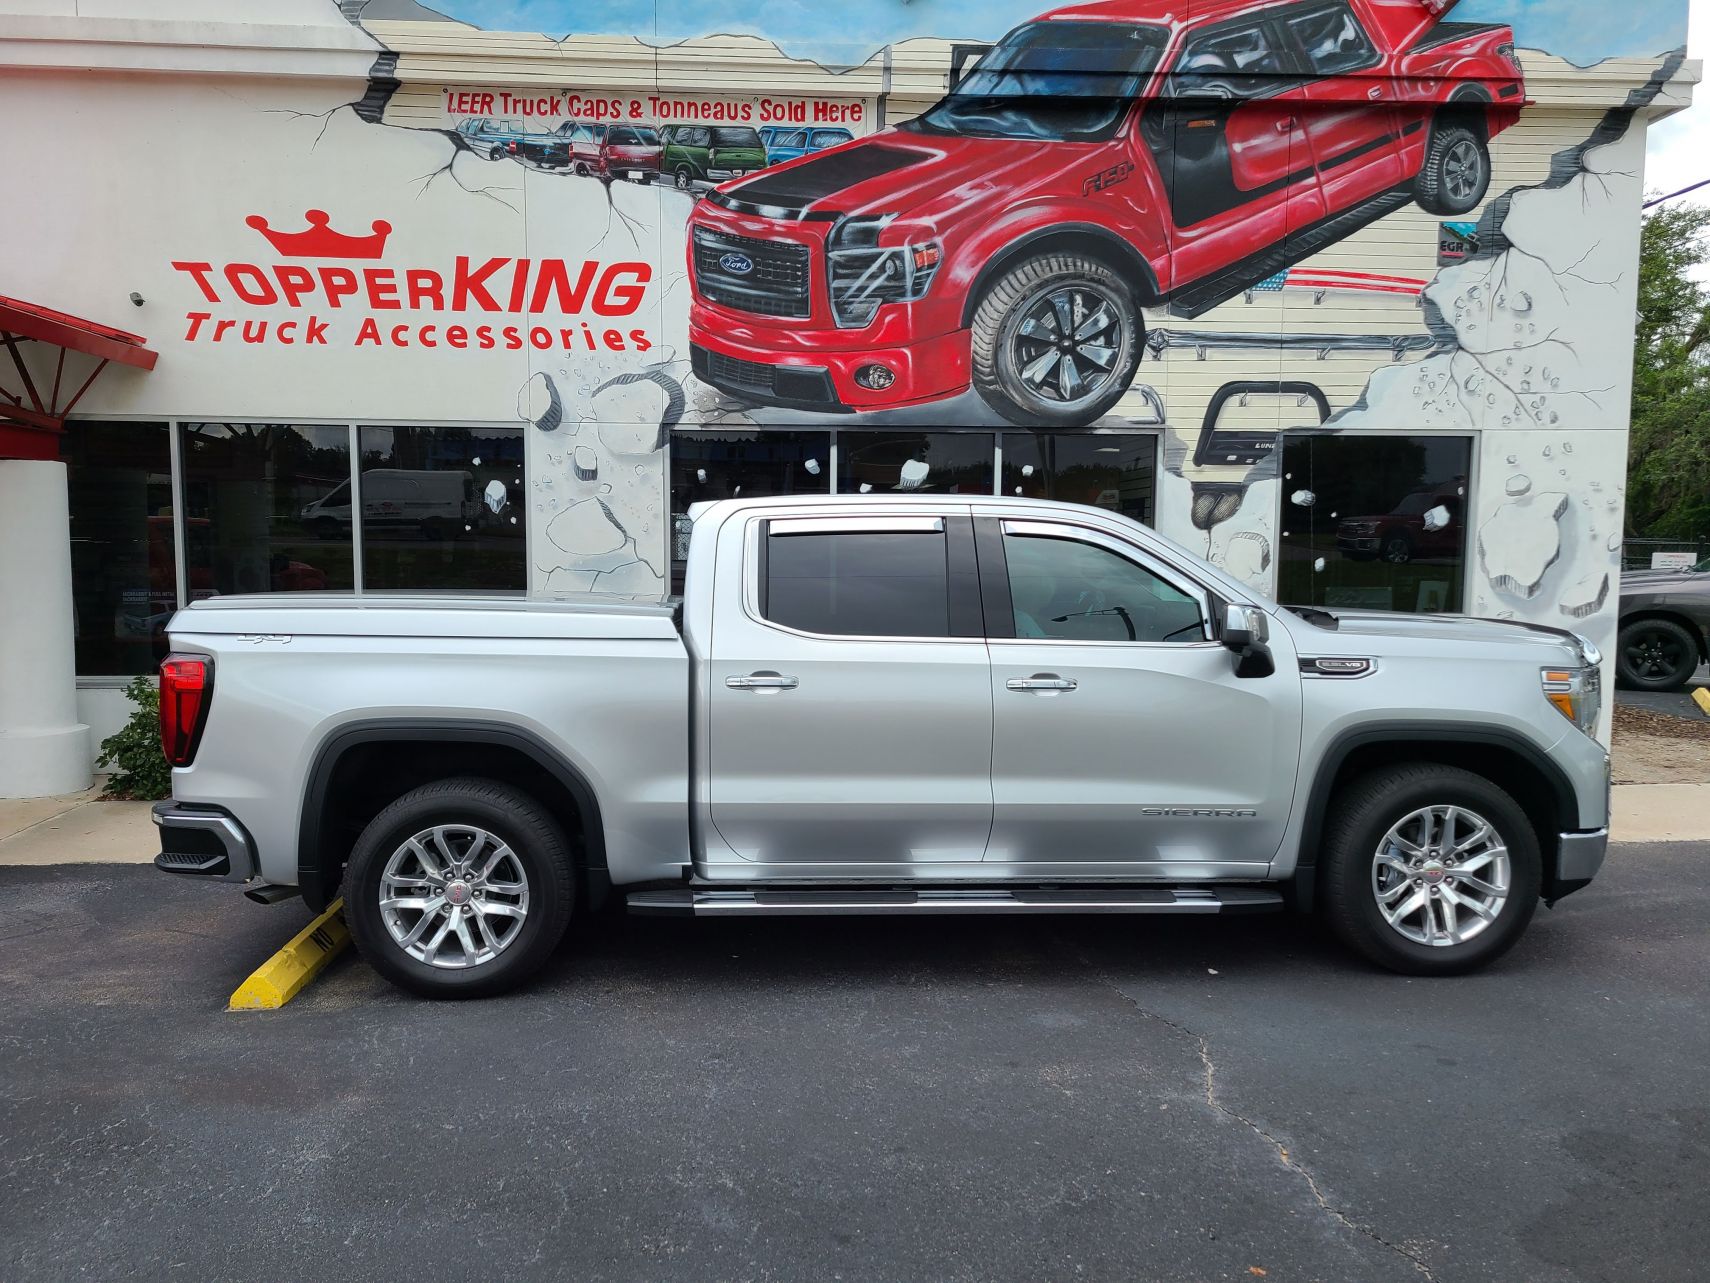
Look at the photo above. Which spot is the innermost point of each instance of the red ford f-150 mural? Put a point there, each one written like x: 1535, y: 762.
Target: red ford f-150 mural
x: 1098, y: 161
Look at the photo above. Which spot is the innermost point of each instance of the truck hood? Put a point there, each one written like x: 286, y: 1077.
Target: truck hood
x: 1376, y: 632
x: 913, y: 174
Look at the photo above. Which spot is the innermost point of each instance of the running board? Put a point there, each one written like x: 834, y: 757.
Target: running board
x: 709, y: 903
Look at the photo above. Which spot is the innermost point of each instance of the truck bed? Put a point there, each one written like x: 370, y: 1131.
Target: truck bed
x: 472, y: 615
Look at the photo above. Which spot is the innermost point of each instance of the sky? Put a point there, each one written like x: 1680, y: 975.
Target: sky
x: 1678, y: 149
x: 1580, y: 30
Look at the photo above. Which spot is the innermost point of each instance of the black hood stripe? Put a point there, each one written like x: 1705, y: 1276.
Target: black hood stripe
x: 802, y: 185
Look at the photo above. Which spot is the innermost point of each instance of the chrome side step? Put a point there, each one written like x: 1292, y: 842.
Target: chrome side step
x: 703, y: 902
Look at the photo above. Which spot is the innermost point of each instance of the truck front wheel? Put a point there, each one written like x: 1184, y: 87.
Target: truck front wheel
x: 459, y: 889
x: 1456, y: 172
x: 1055, y: 339
x: 1428, y: 869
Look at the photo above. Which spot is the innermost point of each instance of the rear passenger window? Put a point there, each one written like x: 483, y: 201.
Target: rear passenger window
x: 855, y: 583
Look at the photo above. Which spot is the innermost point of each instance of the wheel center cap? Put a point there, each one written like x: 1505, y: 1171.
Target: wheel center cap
x: 1433, y: 873
x: 457, y: 892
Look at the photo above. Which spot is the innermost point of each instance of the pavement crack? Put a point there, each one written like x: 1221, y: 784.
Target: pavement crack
x: 1215, y: 1102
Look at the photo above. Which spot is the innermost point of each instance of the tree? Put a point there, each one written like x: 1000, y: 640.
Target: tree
x: 1668, y: 469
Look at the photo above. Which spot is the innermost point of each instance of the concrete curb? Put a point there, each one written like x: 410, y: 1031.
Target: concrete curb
x: 1661, y: 813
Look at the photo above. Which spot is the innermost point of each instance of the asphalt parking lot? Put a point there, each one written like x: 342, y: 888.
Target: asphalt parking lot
x: 862, y: 1099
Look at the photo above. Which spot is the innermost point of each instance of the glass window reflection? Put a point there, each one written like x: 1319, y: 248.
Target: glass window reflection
x: 914, y: 462
x: 124, y: 577
x: 263, y: 511
x: 1115, y: 471
x: 1374, y: 523
x: 442, y: 508
x: 728, y: 464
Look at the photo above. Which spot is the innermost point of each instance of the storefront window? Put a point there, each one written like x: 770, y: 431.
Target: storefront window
x: 266, y: 508
x: 442, y: 508
x: 1374, y: 523
x: 914, y: 462
x: 124, y: 580
x: 731, y: 464
x: 1113, y: 471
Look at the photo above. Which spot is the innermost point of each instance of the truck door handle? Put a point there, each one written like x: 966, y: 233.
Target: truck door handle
x: 1042, y: 682
x: 762, y: 682
x: 1287, y: 126
x: 1375, y: 93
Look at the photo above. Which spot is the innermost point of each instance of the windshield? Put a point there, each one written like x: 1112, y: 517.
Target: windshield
x: 1055, y: 81
x: 632, y: 136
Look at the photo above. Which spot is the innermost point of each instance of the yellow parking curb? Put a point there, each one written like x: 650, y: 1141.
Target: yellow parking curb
x: 1701, y: 697
x: 283, y: 976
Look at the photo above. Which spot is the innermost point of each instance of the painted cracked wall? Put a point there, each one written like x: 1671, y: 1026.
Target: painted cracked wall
x: 1389, y: 321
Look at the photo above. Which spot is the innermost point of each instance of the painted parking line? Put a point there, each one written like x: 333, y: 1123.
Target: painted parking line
x: 1701, y: 697
x: 283, y: 976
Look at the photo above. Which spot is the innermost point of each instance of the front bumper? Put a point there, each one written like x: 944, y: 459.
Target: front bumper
x: 203, y: 841
x: 1578, y: 858
x: 800, y: 377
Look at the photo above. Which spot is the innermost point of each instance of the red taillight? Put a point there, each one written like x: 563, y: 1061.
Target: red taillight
x: 186, y: 687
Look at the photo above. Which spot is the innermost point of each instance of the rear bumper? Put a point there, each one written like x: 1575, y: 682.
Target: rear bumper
x: 203, y: 841
x: 1578, y: 858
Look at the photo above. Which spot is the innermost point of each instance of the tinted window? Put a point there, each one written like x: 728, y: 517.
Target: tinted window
x: 829, y: 137
x: 882, y: 584
x: 1375, y: 523
x: 124, y: 579
x: 735, y: 137
x: 1108, y: 470
x: 1236, y: 62
x: 914, y: 462
x: 267, y: 508
x: 796, y: 139
x: 442, y: 508
x: 1066, y: 590
x: 1332, y: 40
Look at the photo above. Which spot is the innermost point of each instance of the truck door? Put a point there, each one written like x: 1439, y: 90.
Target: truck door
x: 1352, y: 121
x: 1122, y: 740
x: 1228, y: 136
x: 848, y: 694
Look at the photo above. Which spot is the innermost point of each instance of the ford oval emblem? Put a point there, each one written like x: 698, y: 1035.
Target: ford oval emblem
x: 736, y: 264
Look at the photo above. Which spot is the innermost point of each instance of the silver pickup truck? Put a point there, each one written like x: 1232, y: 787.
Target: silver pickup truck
x: 933, y: 704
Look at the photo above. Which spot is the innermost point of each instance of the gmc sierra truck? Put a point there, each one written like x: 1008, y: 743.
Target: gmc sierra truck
x: 1100, y: 160
x: 897, y: 705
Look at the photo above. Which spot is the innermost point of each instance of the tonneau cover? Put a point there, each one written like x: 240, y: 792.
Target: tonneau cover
x: 475, y: 615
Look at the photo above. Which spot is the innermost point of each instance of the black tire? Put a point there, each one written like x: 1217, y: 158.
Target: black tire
x: 1361, y: 817
x: 1455, y: 175
x: 1397, y: 549
x: 495, y: 153
x: 683, y: 178
x: 1004, y: 354
x: 1655, y: 655
x: 541, y: 849
x: 581, y: 169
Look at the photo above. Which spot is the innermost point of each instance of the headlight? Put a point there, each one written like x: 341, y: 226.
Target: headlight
x: 864, y: 277
x: 1577, y: 694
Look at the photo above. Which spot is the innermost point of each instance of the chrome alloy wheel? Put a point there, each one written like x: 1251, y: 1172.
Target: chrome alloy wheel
x: 454, y: 896
x: 1463, y: 170
x: 1441, y: 875
x: 1070, y: 343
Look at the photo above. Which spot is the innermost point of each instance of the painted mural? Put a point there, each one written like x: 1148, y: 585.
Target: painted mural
x: 1250, y: 231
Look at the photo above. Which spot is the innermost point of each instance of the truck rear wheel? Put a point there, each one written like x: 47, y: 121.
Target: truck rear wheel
x: 1456, y: 172
x: 1055, y: 340
x: 459, y: 889
x: 1428, y: 870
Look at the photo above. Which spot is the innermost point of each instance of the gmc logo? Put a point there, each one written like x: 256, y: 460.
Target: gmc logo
x: 1106, y: 178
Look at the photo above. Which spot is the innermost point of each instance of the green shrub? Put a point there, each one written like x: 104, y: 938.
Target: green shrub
x: 133, y: 754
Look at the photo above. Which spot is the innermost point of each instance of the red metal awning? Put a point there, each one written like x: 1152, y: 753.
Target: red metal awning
x: 29, y: 422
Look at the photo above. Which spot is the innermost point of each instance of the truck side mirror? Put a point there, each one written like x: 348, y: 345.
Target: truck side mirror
x: 1245, y: 632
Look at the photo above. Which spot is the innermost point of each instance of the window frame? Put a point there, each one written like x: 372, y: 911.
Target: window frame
x: 962, y: 608
x: 1303, y: 56
x: 994, y: 571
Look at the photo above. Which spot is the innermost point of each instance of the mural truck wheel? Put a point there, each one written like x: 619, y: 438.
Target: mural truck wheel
x: 1655, y: 655
x: 1056, y: 340
x: 1456, y: 172
x: 684, y: 178
x: 495, y: 153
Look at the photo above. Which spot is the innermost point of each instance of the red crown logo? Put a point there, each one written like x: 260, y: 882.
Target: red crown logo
x: 320, y: 241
